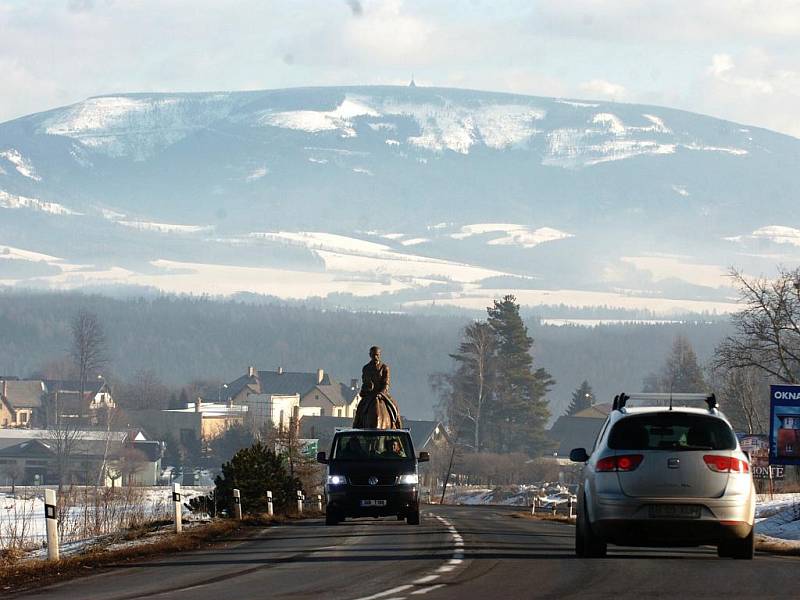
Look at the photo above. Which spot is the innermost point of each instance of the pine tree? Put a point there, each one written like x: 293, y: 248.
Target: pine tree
x: 520, y: 410
x: 582, y: 398
x: 680, y: 373
x: 254, y: 471
x: 183, y: 399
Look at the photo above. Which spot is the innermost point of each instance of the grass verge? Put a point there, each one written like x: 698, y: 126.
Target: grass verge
x: 543, y: 516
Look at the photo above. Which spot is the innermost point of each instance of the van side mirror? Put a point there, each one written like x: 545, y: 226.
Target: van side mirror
x: 321, y: 458
x: 578, y: 455
x: 424, y: 457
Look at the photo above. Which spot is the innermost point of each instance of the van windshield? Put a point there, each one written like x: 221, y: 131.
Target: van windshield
x: 672, y: 431
x: 360, y: 446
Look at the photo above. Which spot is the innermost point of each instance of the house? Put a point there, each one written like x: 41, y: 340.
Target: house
x: 34, y: 456
x: 334, y: 399
x: 579, y: 430
x: 318, y: 393
x: 215, y: 417
x: 64, y: 402
x: 21, y: 402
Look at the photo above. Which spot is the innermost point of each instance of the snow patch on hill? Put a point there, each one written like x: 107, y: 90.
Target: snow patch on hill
x: 14, y: 201
x: 165, y: 227
x: 21, y: 164
x: 514, y: 234
x: 136, y: 126
x: 314, y: 121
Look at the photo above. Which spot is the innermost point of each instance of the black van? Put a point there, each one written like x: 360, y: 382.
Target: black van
x: 372, y: 473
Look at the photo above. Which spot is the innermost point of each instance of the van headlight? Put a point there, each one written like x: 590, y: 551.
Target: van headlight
x: 336, y: 480
x: 409, y: 478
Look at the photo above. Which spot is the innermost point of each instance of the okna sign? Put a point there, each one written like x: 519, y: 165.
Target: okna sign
x: 784, y: 424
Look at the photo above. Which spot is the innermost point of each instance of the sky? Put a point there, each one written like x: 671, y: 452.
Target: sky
x: 734, y: 59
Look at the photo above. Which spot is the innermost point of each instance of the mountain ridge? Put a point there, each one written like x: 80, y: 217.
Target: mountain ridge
x: 458, y: 187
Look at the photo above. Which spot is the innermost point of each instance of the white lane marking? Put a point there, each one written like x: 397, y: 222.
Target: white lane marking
x: 425, y: 590
x: 458, y: 559
x: 445, y: 569
x: 399, y: 588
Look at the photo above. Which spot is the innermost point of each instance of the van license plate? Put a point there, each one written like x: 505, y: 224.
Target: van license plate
x: 373, y: 503
x: 674, y: 511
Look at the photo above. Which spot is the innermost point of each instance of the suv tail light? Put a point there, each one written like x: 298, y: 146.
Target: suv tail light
x: 626, y: 462
x: 726, y: 464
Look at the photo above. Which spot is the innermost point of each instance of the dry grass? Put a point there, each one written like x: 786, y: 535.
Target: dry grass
x: 543, y: 516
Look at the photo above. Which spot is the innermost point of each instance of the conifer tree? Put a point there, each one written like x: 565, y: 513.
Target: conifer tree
x: 254, y: 471
x: 520, y: 410
x: 681, y: 371
x: 582, y: 398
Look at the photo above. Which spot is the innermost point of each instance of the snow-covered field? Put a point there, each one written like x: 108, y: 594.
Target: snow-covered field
x: 85, y: 514
x: 776, y: 517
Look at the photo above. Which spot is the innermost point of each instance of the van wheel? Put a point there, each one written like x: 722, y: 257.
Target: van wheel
x: 331, y: 518
x: 412, y: 518
x: 587, y: 544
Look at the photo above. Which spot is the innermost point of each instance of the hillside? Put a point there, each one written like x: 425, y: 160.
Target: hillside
x: 394, y: 197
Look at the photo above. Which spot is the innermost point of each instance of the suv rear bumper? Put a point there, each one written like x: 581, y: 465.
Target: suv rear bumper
x: 626, y: 521
x: 346, y: 500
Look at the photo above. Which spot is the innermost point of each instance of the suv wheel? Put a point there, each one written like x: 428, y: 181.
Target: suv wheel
x: 331, y: 518
x: 742, y: 549
x: 587, y: 544
x: 412, y: 518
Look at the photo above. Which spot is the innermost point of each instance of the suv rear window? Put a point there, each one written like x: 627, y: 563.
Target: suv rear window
x: 360, y: 446
x: 671, y: 431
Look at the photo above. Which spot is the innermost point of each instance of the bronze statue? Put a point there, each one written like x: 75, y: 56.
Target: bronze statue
x: 376, y: 409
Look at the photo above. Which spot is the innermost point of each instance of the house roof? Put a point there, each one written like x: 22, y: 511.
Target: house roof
x: 74, y: 385
x: 596, y: 411
x: 575, y: 432
x: 11, y: 437
x: 279, y: 383
x: 151, y: 449
x: 338, y: 394
x: 23, y: 394
x: 323, y: 428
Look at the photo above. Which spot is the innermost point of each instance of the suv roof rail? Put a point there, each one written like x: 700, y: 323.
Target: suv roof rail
x: 621, y: 400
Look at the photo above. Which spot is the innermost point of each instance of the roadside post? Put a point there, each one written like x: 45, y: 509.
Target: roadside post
x: 319, y: 502
x: 569, y: 506
x: 270, y: 510
x: 299, y: 502
x: 52, y: 524
x: 176, y: 500
x: 533, y: 505
x: 237, y: 503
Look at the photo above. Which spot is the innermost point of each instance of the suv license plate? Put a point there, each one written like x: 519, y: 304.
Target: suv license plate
x: 373, y: 503
x: 674, y: 511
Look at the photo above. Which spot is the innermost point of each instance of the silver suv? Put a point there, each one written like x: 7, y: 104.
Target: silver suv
x: 665, y: 476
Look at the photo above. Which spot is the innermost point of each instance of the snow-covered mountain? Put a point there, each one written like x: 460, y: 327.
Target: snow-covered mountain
x: 398, y: 195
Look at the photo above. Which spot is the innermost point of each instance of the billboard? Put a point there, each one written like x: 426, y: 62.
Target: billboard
x: 784, y: 424
x: 757, y: 446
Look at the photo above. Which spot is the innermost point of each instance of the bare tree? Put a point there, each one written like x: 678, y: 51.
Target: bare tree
x: 63, y: 436
x: 144, y: 390
x: 744, y: 396
x: 88, y: 349
x: 467, y: 390
x: 14, y: 472
x: 767, y: 329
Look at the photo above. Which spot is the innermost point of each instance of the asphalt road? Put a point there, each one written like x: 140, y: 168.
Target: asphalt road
x: 457, y: 552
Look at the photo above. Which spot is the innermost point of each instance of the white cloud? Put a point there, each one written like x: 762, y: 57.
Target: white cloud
x: 603, y: 89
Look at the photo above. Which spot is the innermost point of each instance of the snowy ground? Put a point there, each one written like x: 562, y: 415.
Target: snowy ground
x: 22, y: 521
x: 777, y: 516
